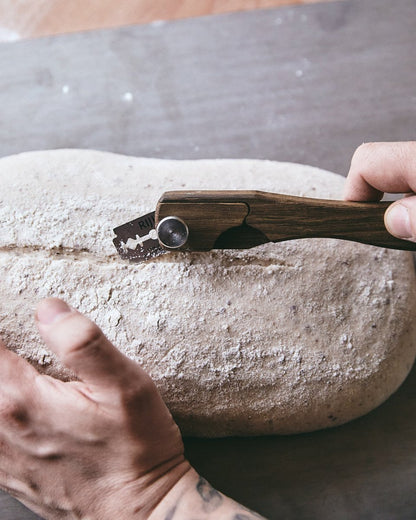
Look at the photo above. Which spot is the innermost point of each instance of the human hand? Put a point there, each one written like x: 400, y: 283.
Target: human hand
x: 386, y: 167
x: 102, y: 447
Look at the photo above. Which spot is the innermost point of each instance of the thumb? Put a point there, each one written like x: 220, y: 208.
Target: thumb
x: 400, y: 218
x: 81, y: 345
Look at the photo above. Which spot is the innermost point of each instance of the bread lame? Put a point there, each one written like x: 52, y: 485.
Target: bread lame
x: 205, y: 220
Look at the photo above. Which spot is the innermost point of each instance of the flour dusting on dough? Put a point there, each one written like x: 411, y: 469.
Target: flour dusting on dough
x: 281, y: 338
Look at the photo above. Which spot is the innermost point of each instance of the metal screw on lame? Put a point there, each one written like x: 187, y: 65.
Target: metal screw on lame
x: 172, y: 232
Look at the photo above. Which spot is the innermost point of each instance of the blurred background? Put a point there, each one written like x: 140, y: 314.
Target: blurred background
x: 29, y: 18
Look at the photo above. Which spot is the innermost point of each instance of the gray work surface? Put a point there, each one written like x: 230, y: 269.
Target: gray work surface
x: 304, y: 84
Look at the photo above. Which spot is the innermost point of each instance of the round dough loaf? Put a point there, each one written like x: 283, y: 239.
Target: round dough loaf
x: 282, y: 338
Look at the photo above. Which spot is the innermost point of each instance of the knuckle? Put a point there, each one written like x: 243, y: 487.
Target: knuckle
x: 406, y: 156
x: 15, y: 416
x: 46, y: 450
x: 137, y: 394
x: 87, y: 343
x: 363, y: 153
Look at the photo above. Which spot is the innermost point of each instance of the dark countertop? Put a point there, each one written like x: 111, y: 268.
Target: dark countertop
x: 304, y: 84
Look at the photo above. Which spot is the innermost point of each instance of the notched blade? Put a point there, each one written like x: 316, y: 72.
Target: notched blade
x: 137, y: 240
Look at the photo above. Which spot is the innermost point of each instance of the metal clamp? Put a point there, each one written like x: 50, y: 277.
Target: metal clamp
x: 172, y: 232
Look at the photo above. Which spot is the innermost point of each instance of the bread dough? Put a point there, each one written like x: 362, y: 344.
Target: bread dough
x: 282, y: 338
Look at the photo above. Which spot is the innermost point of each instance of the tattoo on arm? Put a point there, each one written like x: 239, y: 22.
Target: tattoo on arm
x: 212, y: 499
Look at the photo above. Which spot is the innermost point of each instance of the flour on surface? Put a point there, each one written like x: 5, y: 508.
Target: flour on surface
x: 280, y: 338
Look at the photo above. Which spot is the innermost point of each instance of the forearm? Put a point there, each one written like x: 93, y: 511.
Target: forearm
x: 193, y: 497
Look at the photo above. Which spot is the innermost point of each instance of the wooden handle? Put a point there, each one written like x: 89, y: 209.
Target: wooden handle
x: 245, y: 218
x: 283, y: 217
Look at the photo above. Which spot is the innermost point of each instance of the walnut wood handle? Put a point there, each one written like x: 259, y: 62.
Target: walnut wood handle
x: 227, y: 218
x: 283, y: 217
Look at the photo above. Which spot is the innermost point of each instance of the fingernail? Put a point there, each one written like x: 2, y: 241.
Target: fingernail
x: 50, y: 310
x: 398, y: 222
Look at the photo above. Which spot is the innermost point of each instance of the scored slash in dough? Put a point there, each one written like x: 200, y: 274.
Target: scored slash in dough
x: 282, y: 338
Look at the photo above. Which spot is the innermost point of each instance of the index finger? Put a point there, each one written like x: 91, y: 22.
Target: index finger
x: 377, y: 168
